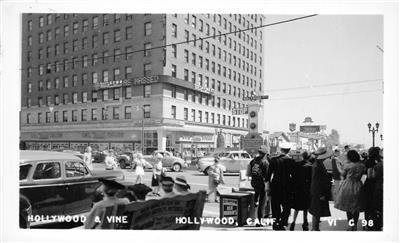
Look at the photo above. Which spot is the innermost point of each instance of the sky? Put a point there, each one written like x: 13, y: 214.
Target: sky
x: 325, y: 50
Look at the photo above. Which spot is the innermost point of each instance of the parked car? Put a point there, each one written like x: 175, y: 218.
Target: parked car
x: 231, y: 161
x: 98, y: 157
x: 125, y: 160
x: 169, y: 161
x: 57, y: 183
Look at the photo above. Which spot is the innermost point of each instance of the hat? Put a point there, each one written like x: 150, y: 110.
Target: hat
x: 285, y: 145
x: 159, y: 156
x: 140, y: 189
x: 322, y: 153
x: 181, y: 180
x: 263, y: 149
x: 167, y: 181
x: 111, y: 184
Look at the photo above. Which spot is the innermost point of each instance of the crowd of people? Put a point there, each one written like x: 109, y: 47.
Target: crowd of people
x: 310, y: 184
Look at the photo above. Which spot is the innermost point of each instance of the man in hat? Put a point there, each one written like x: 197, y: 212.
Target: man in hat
x: 258, y: 171
x: 280, y: 174
x: 320, y: 189
x: 140, y: 191
x: 109, y: 189
x: 167, y: 185
x: 181, y: 185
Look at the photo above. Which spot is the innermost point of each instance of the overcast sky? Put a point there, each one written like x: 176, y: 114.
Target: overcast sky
x: 325, y: 50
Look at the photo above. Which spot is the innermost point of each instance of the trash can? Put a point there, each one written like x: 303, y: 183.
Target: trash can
x: 236, y: 205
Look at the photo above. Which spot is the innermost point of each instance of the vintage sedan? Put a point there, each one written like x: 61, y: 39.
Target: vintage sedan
x: 231, y: 161
x: 169, y: 161
x: 55, y: 183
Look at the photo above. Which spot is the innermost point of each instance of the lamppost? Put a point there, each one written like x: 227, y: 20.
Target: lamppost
x: 142, y: 132
x: 373, y: 130
x: 381, y: 137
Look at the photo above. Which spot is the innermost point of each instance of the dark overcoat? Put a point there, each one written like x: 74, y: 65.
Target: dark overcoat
x: 320, y: 187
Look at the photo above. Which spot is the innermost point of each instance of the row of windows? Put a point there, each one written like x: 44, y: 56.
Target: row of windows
x: 85, y: 22
x: 95, y: 114
x: 116, y: 35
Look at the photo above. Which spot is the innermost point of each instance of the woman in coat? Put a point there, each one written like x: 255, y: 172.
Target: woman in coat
x: 320, y: 188
x: 301, y: 189
x: 350, y: 197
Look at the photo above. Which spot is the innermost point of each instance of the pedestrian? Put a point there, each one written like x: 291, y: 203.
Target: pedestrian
x: 377, y: 174
x: 140, y: 163
x: 109, y: 161
x: 258, y: 171
x: 167, y: 184
x: 215, y: 178
x: 181, y: 185
x: 320, y: 188
x: 109, y: 189
x: 337, y: 170
x: 301, y: 189
x: 350, y: 197
x: 157, y: 171
x: 87, y: 157
x: 280, y: 175
x: 369, y: 184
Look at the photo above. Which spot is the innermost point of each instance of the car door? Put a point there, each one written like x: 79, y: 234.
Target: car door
x: 46, y: 190
x: 80, y: 187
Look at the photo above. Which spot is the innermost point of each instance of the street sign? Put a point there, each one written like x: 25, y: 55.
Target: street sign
x: 240, y: 111
x: 255, y: 97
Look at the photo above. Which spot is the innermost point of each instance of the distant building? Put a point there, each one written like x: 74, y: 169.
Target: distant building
x: 93, y: 79
x: 310, y: 135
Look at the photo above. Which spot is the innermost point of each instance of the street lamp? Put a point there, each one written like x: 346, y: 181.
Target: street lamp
x: 142, y: 133
x: 373, y: 130
x: 381, y: 137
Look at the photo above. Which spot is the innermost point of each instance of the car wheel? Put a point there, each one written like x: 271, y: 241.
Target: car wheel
x: 176, y: 167
x: 206, y: 170
x: 122, y: 164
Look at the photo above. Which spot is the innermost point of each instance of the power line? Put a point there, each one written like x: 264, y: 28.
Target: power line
x: 189, y: 41
x: 323, y: 95
x: 311, y: 86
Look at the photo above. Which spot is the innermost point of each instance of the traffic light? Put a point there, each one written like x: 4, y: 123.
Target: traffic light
x: 255, y: 118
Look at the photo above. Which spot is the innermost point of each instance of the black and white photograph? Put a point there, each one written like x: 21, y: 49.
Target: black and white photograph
x: 149, y: 119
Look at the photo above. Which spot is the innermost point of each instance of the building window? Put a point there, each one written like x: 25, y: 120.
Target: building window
x: 65, y: 99
x: 186, y: 75
x: 41, y: 21
x: 48, y: 100
x: 147, y: 91
x: 55, y: 116
x: 84, y: 97
x: 41, y: 38
x: 146, y: 111
x: 65, y: 116
x: 193, y: 115
x: 174, y: 54
x: 74, y: 98
x: 116, y: 93
x: 186, y: 55
x: 129, y: 32
x: 128, y: 72
x: 106, y: 39
x: 105, y: 75
x: 116, y: 73
x: 200, y: 116
x: 117, y: 55
x: 128, y: 92
x: 29, y: 25
x: 147, y: 69
x: 105, y: 94
x: 128, y: 112
x: 95, y: 22
x: 117, y: 35
x: 128, y: 53
x: 173, y: 112
x: 85, y: 61
x: 29, y: 89
x: 212, y: 118
x: 94, y: 78
x: 194, y: 77
x: 174, y: 30
x: 75, y: 27
x: 115, y: 113
x: 187, y: 36
x: 194, y: 59
x: 94, y: 96
x: 94, y: 114
x: 104, y: 115
x: 194, y: 21
x: 173, y: 70
x: 185, y: 114
x: 147, y: 47
x: 56, y: 100
x: 206, y: 117
x: 48, y: 35
x: 83, y: 115
x: 74, y: 115
x: 147, y: 28
x: 186, y: 95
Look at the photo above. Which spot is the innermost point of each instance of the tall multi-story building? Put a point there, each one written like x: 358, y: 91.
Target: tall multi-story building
x: 115, y: 80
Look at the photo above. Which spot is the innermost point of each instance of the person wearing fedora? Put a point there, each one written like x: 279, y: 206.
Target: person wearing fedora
x: 280, y: 174
x: 109, y: 189
x: 320, y: 189
x: 181, y: 185
x: 258, y: 171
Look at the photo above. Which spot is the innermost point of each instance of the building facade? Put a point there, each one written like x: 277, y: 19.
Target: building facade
x: 115, y: 80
